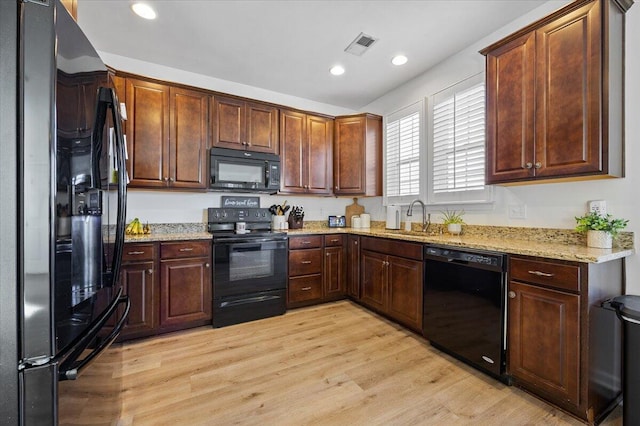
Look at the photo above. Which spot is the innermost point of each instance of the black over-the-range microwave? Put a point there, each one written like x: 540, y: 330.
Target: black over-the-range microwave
x: 244, y: 171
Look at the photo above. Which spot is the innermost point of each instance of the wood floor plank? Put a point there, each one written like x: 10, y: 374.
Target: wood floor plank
x: 333, y: 364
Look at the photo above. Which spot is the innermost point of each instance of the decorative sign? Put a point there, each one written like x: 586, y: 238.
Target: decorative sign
x: 239, y: 202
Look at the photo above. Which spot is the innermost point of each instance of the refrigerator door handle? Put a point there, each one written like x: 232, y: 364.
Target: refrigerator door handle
x: 107, y: 98
x: 76, y: 367
x: 74, y: 349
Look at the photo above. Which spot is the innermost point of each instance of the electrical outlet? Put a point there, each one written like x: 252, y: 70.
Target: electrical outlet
x: 598, y: 206
x: 517, y: 211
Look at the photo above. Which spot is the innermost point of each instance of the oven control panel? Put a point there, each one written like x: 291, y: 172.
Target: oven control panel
x: 222, y: 215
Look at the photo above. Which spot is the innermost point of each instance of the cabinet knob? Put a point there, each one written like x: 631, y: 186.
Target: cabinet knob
x: 528, y: 165
x: 172, y: 180
x: 306, y: 262
x: 166, y: 179
x: 538, y: 165
x: 135, y: 253
x: 305, y: 288
x: 355, y: 242
x: 206, y: 265
x: 512, y: 295
x: 149, y: 271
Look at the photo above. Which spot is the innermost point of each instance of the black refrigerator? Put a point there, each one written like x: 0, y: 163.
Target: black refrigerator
x: 63, y: 205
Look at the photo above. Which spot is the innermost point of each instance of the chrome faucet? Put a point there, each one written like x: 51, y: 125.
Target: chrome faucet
x: 426, y: 219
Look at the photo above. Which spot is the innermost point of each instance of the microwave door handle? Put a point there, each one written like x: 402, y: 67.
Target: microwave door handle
x: 266, y: 175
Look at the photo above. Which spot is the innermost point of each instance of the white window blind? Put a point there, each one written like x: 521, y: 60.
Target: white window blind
x: 402, y: 142
x: 457, y: 144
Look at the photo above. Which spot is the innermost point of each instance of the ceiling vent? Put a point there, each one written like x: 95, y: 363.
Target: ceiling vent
x: 361, y: 44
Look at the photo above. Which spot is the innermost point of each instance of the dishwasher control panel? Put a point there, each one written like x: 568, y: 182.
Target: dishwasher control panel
x: 447, y: 254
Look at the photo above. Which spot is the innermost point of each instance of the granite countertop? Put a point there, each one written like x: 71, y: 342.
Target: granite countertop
x: 550, y: 243
x: 548, y: 249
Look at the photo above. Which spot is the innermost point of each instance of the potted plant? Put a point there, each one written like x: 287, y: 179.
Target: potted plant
x: 600, y: 229
x: 453, y: 221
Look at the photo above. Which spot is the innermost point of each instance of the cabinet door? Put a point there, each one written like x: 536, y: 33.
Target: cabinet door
x: 147, y: 133
x: 405, y: 291
x: 261, y: 127
x: 568, y: 94
x: 349, y: 156
x: 510, y: 111
x: 185, y: 289
x: 319, y: 155
x: 228, y: 123
x: 353, y: 266
x: 373, y: 272
x: 139, y: 283
x: 292, y: 142
x: 544, y: 340
x: 334, y: 273
x: 189, y: 138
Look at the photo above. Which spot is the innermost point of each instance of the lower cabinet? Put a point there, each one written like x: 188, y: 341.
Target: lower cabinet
x: 561, y: 343
x: 185, y: 284
x: 169, y: 285
x: 353, y: 266
x: 317, y: 269
x: 139, y: 279
x: 391, y: 277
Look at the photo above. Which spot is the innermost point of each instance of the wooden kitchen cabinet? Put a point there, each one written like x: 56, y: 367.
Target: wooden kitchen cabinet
x: 167, y: 135
x: 139, y: 280
x: 357, y: 155
x: 317, y: 269
x: 306, y: 146
x: 72, y: 7
x: 557, y: 333
x: 335, y: 267
x: 185, y: 284
x: 391, y: 277
x: 353, y: 266
x: 240, y: 124
x: 554, y: 96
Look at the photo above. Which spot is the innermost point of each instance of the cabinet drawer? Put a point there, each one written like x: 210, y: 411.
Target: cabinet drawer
x: 135, y: 252
x: 184, y: 249
x: 305, y: 242
x: 305, y: 288
x: 305, y: 262
x: 394, y: 247
x: 560, y: 275
x: 333, y: 240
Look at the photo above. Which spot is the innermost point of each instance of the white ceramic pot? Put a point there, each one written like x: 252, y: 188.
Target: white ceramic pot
x: 599, y: 239
x: 454, y: 228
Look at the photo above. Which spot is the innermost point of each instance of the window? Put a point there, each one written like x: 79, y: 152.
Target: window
x: 456, y: 144
x: 403, y: 133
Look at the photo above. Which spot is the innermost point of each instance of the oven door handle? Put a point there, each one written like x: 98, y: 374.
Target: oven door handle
x: 247, y: 301
x: 246, y: 247
x: 237, y: 242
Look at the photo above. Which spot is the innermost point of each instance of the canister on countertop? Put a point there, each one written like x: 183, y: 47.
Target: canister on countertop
x: 365, y: 220
x: 356, y: 222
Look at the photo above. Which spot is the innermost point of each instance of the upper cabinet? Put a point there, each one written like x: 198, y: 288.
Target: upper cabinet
x: 167, y: 135
x: 239, y: 124
x: 306, y: 153
x: 555, y: 96
x: 357, y: 155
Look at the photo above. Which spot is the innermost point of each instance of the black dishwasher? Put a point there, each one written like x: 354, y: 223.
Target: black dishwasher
x: 464, y: 306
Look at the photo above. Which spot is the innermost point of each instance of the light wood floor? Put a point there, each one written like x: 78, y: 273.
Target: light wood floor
x: 334, y: 364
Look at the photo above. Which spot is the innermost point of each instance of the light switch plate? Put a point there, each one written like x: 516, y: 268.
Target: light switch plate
x: 517, y: 211
x: 598, y: 206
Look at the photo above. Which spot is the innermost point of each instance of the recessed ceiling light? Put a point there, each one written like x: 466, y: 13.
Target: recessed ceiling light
x: 399, y: 60
x: 143, y: 10
x: 337, y: 70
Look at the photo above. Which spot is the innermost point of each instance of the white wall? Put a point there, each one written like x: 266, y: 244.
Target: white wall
x: 551, y: 205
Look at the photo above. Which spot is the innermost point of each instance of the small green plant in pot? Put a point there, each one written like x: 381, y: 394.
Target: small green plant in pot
x: 453, y: 221
x: 600, y: 229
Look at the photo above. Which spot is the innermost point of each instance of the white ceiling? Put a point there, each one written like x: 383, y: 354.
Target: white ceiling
x: 288, y: 46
